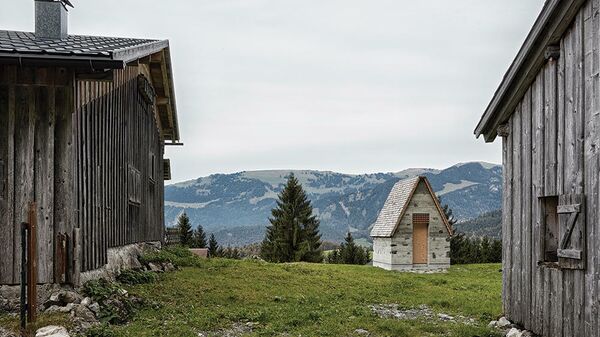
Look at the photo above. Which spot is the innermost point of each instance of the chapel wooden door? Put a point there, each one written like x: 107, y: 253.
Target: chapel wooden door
x: 420, y: 238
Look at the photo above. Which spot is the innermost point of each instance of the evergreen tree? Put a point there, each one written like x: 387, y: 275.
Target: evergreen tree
x: 496, y: 254
x: 449, y: 214
x: 333, y: 257
x: 199, y: 238
x: 213, y: 247
x: 464, y: 250
x: 349, y: 253
x: 293, y: 235
x: 185, y: 230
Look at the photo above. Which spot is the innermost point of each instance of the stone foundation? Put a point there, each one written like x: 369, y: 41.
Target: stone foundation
x: 412, y: 267
x: 120, y: 258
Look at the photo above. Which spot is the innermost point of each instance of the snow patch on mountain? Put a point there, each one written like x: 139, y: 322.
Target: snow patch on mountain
x: 451, y: 187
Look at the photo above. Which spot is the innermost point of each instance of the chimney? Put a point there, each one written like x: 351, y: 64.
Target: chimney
x: 51, y: 20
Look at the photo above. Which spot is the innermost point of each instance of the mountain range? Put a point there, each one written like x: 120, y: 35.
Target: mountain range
x: 236, y: 207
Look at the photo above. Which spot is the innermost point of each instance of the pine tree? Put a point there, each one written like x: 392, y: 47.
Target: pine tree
x: 449, y: 214
x: 199, y: 238
x: 333, y: 257
x: 185, y: 230
x: 349, y: 253
x: 213, y: 247
x: 293, y: 235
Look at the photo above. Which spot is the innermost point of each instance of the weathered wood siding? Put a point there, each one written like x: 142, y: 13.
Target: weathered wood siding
x: 35, y: 163
x: 89, y: 154
x: 551, y: 149
x: 119, y: 166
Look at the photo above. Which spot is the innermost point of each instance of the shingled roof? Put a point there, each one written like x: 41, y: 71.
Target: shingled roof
x: 396, y: 204
x: 103, y: 52
x: 94, y: 53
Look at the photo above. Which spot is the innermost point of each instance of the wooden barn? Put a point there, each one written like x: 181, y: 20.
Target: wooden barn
x: 411, y: 231
x: 547, y: 112
x: 83, y: 126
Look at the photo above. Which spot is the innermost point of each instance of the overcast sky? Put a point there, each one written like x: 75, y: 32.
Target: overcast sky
x: 352, y: 86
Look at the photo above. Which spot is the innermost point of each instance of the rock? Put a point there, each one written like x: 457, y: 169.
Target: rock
x: 527, y: 334
x: 445, y: 317
x: 6, y: 333
x: 503, y: 323
x: 52, y: 331
x: 514, y: 333
x: 86, y: 301
x: 71, y: 297
x: 168, y: 267
x: 492, y: 324
x: 62, y: 298
x: 82, y: 312
x: 95, y: 308
x: 122, y: 292
x: 65, y: 309
x: 362, y: 332
x: 393, y: 311
x: 154, y: 267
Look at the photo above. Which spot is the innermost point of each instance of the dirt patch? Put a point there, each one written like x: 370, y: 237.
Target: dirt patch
x: 394, y: 311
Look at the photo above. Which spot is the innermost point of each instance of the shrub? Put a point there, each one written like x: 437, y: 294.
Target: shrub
x: 116, y: 307
x: 132, y: 277
x: 99, y: 290
x: 177, y: 255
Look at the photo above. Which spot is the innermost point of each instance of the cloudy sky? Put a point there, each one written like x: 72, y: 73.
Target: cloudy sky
x: 352, y: 86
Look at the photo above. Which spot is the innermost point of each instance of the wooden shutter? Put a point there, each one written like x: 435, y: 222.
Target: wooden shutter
x: 134, y: 180
x: 571, y: 222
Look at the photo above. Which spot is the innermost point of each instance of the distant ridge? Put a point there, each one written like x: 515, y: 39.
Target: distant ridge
x: 237, y: 206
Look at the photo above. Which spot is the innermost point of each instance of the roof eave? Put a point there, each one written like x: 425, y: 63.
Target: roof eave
x: 61, y: 60
x: 135, y: 53
x: 172, y: 93
x: 549, y: 27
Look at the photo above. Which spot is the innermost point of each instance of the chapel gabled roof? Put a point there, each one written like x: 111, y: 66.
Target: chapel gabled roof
x: 396, y: 204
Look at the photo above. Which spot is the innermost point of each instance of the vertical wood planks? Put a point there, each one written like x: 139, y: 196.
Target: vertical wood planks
x: 44, y: 180
x: 591, y: 111
x: 6, y: 222
x: 516, y: 274
x: 526, y: 183
x: 119, y: 132
x: 507, y: 154
x: 537, y: 190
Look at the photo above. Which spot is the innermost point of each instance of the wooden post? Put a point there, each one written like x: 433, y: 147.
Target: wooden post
x: 23, y: 308
x: 32, y: 265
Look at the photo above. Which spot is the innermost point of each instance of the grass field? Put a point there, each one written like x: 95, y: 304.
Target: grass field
x: 312, y: 300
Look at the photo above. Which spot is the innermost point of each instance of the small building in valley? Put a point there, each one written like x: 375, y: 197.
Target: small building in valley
x: 411, y: 231
x: 547, y: 114
x: 84, y: 122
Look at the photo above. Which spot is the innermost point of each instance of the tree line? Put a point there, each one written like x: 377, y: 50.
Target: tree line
x: 472, y: 250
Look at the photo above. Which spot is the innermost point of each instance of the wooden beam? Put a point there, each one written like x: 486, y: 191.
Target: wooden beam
x: 163, y: 101
x: 504, y: 130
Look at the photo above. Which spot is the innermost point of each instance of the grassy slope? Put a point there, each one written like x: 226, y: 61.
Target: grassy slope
x: 314, y: 300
